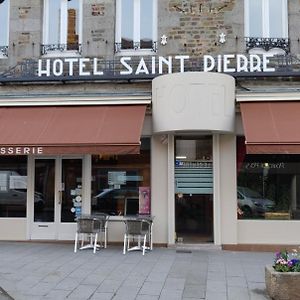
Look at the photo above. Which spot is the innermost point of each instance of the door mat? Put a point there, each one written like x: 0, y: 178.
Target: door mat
x: 183, y: 251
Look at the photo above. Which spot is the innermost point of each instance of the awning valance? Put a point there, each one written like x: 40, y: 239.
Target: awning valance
x: 106, y: 129
x: 271, y: 127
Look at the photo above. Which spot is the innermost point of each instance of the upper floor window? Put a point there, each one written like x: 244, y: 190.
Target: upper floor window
x: 62, y: 26
x: 136, y: 25
x: 266, y: 24
x: 4, y: 28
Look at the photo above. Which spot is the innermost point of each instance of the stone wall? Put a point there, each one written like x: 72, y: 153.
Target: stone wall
x: 192, y: 27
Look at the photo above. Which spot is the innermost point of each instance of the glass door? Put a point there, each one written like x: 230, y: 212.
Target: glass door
x: 58, y: 181
x: 194, y: 190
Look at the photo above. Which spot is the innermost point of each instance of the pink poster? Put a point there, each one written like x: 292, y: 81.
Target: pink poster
x: 144, y: 200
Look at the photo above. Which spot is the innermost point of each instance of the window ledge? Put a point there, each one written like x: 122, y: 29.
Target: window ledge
x: 141, y: 52
x: 58, y: 53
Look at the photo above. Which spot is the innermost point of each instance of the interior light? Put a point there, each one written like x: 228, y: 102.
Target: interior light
x: 181, y: 157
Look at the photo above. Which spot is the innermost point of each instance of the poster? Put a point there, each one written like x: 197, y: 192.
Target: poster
x: 144, y: 200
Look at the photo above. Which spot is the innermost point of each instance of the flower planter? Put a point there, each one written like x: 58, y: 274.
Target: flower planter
x: 282, y: 285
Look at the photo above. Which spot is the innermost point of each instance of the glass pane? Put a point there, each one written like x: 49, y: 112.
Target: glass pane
x: 44, y: 190
x: 120, y: 187
x: 194, y: 190
x: 73, y: 25
x: 127, y: 24
x: 54, y: 21
x: 4, y: 7
x: 146, y: 24
x: 268, y: 185
x: 255, y: 18
x: 72, y: 189
x: 13, y: 186
x: 276, y: 22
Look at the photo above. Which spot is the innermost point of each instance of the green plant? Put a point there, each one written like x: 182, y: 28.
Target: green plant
x: 287, y: 262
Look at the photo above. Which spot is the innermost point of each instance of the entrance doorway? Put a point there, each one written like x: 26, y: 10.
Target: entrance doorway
x: 58, y: 181
x: 194, y: 190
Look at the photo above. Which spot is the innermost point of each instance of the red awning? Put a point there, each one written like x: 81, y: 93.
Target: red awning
x: 271, y: 127
x: 110, y: 129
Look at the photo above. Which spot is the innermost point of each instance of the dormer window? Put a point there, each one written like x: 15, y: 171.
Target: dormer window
x: 62, y: 27
x: 4, y: 28
x: 266, y: 26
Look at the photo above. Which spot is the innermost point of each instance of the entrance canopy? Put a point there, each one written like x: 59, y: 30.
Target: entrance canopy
x: 271, y: 127
x: 110, y: 129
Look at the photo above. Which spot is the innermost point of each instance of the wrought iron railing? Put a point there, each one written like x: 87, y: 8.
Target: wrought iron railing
x: 267, y: 43
x: 4, y: 50
x: 46, y: 49
x: 129, y: 45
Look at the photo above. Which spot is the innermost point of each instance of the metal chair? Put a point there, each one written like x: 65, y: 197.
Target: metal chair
x: 140, y: 229
x: 88, y: 228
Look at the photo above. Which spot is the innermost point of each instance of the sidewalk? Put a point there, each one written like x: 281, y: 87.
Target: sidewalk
x: 53, y: 271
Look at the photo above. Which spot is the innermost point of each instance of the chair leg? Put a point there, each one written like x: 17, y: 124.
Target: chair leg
x: 95, y: 242
x: 150, y: 237
x: 124, y: 246
x: 144, y: 245
x: 105, y: 237
x: 76, y: 242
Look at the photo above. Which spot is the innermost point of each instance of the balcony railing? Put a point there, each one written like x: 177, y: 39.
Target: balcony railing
x: 135, y: 46
x: 267, y: 43
x: 46, y: 49
x: 4, y: 51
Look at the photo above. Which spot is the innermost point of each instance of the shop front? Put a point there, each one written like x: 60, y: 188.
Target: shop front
x: 59, y: 162
x: 194, y: 114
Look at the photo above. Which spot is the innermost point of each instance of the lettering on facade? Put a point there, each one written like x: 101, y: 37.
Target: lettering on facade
x: 21, y: 150
x: 259, y: 165
x: 228, y: 63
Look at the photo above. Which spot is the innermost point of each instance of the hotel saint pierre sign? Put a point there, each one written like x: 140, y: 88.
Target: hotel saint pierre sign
x: 148, y: 67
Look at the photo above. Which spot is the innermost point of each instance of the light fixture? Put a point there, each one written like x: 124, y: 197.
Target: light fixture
x: 181, y: 157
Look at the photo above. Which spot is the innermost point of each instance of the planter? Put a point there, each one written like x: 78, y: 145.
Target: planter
x: 282, y: 285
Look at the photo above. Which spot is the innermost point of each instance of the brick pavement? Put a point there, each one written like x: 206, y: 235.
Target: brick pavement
x: 53, y: 271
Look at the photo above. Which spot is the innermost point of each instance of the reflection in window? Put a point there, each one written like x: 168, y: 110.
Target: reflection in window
x: 62, y: 21
x: 268, y: 184
x: 4, y: 28
x: 121, y: 184
x: 135, y: 24
x: 13, y: 186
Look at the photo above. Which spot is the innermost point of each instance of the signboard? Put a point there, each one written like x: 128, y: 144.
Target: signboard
x: 86, y: 67
x: 21, y: 150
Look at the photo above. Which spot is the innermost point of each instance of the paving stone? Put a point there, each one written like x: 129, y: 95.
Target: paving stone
x: 52, y: 271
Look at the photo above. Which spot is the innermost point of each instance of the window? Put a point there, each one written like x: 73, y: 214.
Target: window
x: 268, y: 185
x: 121, y: 184
x: 13, y: 187
x: 4, y: 28
x: 62, y: 26
x: 136, y: 22
x: 266, y: 23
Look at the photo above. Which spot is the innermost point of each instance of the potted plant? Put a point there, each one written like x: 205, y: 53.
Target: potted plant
x: 283, y: 277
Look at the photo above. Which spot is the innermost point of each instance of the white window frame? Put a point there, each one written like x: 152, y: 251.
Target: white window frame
x: 63, y: 28
x: 136, y: 27
x: 265, y: 18
x: 2, y: 54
